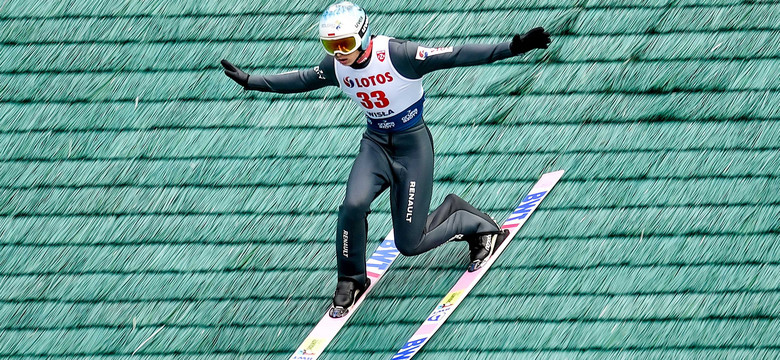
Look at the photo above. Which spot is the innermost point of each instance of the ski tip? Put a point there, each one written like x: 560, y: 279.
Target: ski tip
x: 337, y: 312
x: 550, y: 179
x: 553, y: 175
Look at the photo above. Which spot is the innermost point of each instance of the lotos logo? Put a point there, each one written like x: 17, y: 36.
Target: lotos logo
x: 372, y: 80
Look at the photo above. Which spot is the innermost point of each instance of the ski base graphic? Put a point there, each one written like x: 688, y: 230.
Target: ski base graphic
x: 469, y: 279
x: 328, y: 327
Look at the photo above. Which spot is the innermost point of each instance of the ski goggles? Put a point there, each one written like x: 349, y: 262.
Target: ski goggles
x: 346, y: 45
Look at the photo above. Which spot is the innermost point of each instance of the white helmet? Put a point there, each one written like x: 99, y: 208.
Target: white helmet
x: 344, y: 28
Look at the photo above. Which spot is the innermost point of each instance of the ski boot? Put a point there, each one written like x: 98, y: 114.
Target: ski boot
x: 347, y: 294
x: 482, y: 247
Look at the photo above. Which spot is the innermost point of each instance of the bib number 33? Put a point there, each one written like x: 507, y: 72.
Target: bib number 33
x: 375, y: 99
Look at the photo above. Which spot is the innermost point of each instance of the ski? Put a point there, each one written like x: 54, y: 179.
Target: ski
x: 322, y: 334
x: 469, y: 279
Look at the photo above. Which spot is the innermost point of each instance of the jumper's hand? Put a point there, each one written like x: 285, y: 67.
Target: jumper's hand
x: 536, y: 38
x: 235, y: 73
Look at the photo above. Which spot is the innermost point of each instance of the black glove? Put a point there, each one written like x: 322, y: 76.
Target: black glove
x: 536, y: 38
x: 235, y: 73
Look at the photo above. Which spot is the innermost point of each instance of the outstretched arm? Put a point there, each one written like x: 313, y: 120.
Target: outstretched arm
x: 416, y: 60
x: 291, y: 82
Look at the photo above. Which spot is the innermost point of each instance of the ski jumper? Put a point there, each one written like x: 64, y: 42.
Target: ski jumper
x: 396, y: 150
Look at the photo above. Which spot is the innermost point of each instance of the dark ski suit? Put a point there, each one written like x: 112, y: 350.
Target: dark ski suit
x: 400, y: 160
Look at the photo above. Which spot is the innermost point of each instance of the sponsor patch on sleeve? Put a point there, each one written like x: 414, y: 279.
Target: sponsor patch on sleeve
x: 424, y: 52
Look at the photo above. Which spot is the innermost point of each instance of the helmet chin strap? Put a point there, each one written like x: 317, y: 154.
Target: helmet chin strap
x: 366, y: 53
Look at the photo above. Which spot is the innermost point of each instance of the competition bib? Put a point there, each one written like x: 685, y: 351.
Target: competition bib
x: 390, y: 101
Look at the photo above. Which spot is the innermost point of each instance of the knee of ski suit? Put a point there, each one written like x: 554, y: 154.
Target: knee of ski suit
x: 354, y: 209
x: 406, y: 250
